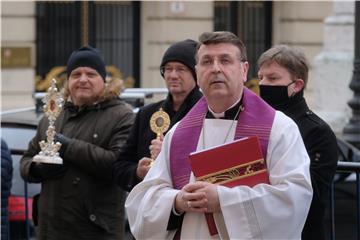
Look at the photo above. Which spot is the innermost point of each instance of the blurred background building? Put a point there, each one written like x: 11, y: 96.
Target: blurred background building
x: 37, y: 38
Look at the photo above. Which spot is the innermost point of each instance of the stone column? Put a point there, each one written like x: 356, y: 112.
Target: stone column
x: 333, y: 67
x: 352, y: 129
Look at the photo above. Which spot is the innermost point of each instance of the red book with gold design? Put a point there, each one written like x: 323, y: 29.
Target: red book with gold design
x: 236, y: 163
x: 232, y: 164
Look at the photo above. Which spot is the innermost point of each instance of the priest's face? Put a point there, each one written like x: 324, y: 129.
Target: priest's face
x: 220, y: 73
x: 178, y: 78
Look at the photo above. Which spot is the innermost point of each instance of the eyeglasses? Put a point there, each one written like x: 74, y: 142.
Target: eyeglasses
x: 166, y: 70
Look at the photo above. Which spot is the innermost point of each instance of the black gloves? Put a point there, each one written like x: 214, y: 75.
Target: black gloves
x: 47, y: 171
x: 65, y: 142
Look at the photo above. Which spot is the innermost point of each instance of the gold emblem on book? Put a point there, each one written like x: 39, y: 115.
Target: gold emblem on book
x: 234, y: 173
x: 53, y: 103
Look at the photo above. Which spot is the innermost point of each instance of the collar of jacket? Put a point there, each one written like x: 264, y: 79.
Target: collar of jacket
x: 188, y: 103
x: 72, y: 108
x: 295, y: 107
x: 190, y: 99
x: 230, y: 114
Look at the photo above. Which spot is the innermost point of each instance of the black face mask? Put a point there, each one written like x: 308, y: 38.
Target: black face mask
x: 275, y: 96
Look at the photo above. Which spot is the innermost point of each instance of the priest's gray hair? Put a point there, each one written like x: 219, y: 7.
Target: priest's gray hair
x: 207, y: 38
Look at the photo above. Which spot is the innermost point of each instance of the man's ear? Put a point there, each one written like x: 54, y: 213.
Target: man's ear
x: 299, y: 85
x: 197, y: 77
x: 245, y: 70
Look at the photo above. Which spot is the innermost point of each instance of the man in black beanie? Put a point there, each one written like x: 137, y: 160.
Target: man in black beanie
x: 178, y: 69
x: 182, y: 52
x: 86, y: 57
x: 78, y: 199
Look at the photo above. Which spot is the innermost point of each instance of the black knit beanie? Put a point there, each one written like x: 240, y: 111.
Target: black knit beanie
x: 183, y: 52
x: 86, y: 57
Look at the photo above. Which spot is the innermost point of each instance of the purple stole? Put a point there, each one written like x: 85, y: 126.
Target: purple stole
x: 255, y: 120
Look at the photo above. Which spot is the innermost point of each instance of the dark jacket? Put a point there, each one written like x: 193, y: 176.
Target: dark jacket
x: 137, y: 145
x: 321, y: 145
x: 82, y: 202
x: 6, y: 178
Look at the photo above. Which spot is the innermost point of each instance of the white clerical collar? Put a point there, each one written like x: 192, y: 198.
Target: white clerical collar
x: 222, y: 114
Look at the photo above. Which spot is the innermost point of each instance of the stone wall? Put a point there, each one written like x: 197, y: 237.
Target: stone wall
x: 301, y: 24
x: 18, y: 30
x: 163, y: 23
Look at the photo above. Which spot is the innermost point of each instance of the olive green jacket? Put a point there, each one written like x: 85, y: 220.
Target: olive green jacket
x: 83, y: 203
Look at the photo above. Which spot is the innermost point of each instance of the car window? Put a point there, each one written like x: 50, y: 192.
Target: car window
x: 18, y: 139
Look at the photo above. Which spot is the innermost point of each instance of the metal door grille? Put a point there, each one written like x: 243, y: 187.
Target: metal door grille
x: 113, y: 27
x: 251, y: 21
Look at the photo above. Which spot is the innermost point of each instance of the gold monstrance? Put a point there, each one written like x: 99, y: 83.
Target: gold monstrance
x: 53, y: 103
x: 159, y: 122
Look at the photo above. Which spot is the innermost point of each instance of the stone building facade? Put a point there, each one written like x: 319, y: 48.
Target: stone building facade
x: 323, y: 29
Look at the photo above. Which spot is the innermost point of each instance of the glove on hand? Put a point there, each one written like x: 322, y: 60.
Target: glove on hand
x: 65, y: 142
x: 47, y: 171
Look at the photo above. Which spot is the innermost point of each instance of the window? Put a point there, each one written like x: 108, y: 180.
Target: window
x: 251, y: 21
x: 113, y: 27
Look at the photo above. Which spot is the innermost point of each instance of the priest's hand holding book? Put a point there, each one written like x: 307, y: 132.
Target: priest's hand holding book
x: 197, y: 197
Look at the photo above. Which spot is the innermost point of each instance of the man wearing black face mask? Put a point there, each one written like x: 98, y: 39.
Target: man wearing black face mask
x: 283, y: 74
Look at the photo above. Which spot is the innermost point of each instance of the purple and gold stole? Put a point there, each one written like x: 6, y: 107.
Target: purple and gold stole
x: 255, y: 120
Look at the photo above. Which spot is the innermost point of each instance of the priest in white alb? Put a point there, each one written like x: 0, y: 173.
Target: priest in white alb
x: 170, y: 204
